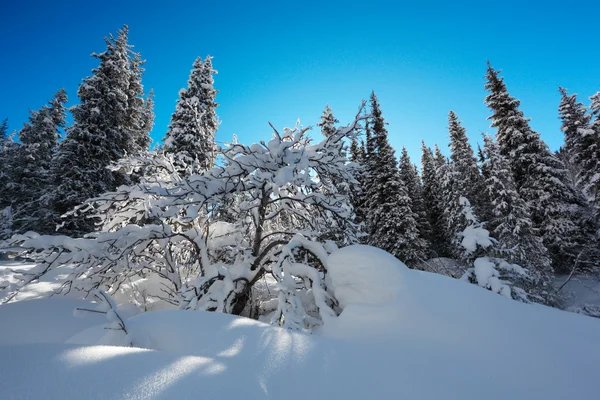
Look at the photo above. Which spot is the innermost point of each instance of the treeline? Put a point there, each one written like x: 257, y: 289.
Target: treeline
x: 540, y: 208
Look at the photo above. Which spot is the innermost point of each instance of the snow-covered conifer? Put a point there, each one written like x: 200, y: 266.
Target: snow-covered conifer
x: 467, y: 179
x: 432, y: 199
x: 3, y: 132
x: 191, y: 135
x: 488, y: 269
x: 140, y: 113
x: 39, y: 139
x: 391, y: 221
x: 410, y: 177
x: 509, y: 219
x: 540, y: 177
x: 100, y: 135
x: 328, y: 121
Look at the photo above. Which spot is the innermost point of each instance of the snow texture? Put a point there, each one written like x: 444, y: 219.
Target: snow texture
x: 432, y: 338
x: 364, y: 274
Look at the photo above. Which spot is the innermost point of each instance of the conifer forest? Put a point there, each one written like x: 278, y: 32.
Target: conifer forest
x: 312, y: 232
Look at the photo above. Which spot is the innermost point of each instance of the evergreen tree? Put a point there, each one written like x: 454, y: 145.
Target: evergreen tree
x: 328, y: 121
x: 510, y: 223
x: 391, y: 223
x: 355, y: 151
x: 39, y: 138
x: 467, y: 179
x: 582, y: 143
x: 140, y: 113
x: 410, y: 177
x: 451, y: 222
x: 191, y: 134
x: 433, y: 202
x: 8, y: 157
x: 3, y: 132
x: 100, y: 135
x: 539, y: 175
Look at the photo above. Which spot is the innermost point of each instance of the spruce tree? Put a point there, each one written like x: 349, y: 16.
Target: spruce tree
x: 391, y: 223
x: 3, y: 132
x: 582, y: 143
x: 509, y: 220
x: 328, y: 121
x: 589, y: 147
x: 100, y: 135
x: 140, y: 113
x: 410, y: 177
x: 7, y: 159
x: 39, y: 138
x: 355, y: 151
x: 467, y: 179
x: 190, y: 138
x: 433, y: 202
x: 451, y: 221
x: 539, y: 176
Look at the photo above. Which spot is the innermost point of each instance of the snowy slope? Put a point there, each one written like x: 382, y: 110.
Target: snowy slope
x: 425, y: 336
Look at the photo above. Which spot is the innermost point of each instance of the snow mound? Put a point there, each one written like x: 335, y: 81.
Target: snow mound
x: 364, y: 274
x: 43, y: 321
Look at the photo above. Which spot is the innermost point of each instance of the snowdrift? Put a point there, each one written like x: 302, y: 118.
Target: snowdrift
x: 419, y: 336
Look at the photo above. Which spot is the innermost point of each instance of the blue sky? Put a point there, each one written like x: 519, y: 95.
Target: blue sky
x: 281, y: 60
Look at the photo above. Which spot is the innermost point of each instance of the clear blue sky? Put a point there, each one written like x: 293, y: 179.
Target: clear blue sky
x: 280, y: 60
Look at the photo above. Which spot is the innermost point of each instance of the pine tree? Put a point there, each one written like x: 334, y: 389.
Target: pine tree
x: 100, y: 135
x: 191, y: 134
x: 410, y: 177
x: 391, y: 221
x: 538, y: 174
x: 39, y: 138
x: 433, y: 202
x: 510, y: 223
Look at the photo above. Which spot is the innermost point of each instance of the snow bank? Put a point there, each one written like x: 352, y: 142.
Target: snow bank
x: 43, y: 321
x: 364, y: 274
x: 417, y: 336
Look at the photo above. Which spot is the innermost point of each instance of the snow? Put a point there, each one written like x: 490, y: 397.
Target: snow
x: 414, y: 335
x: 364, y: 274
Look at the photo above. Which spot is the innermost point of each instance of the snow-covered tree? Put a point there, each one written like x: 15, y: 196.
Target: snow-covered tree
x: 191, y: 134
x: 283, y: 217
x: 140, y: 110
x: 467, y: 179
x: 432, y: 198
x: 100, y: 135
x: 588, y: 147
x: 410, y: 177
x: 9, y: 156
x: 6, y: 223
x: 391, y: 221
x: 582, y: 153
x: 488, y: 270
x: 328, y: 121
x: 3, y: 132
x: 540, y: 177
x: 509, y: 220
x: 452, y: 221
x: 39, y: 139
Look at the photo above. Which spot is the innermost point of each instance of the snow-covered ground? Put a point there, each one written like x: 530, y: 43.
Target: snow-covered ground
x: 402, y: 334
